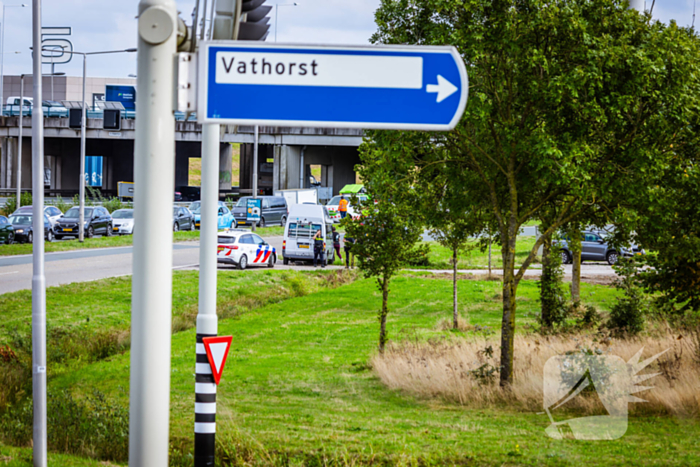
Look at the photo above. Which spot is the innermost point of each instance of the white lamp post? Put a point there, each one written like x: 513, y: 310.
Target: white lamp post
x: 277, y: 7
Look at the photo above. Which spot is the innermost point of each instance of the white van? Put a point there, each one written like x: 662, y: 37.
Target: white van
x: 303, y: 222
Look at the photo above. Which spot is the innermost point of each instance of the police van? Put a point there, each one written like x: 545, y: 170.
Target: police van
x: 242, y: 248
x: 303, y: 223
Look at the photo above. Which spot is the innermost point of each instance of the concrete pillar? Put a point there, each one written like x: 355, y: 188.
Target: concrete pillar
x: 3, y: 163
x: 11, y: 163
x: 225, y: 166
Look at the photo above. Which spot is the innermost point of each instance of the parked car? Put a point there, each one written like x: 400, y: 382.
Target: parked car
x: 52, y: 212
x: 97, y: 221
x: 304, y: 221
x: 594, y: 247
x: 242, y: 248
x: 7, y: 231
x: 225, y: 217
x: 50, y: 108
x: 274, y: 210
x: 123, y: 222
x: 183, y: 219
x: 189, y: 193
x: 24, y: 230
x: 178, y: 196
x: 348, y: 191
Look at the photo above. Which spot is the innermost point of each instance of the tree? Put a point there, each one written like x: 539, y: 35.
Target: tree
x: 389, y: 228
x: 443, y: 202
x: 566, y: 99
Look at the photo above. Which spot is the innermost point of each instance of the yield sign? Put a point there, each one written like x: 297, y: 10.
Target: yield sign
x: 217, y: 350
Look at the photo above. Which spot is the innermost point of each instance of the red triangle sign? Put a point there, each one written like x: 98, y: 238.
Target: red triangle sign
x: 217, y: 350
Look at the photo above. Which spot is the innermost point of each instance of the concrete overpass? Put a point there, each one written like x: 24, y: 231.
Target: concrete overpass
x: 285, y: 154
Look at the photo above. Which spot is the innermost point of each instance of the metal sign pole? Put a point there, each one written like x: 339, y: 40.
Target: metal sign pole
x: 38, y: 277
x: 19, y: 141
x: 205, y: 387
x: 151, y: 298
x: 255, y: 170
x: 81, y: 186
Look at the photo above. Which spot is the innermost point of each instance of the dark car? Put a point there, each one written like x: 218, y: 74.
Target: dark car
x: 183, y: 219
x: 7, y: 231
x: 178, y: 196
x: 97, y: 221
x: 24, y: 231
x: 274, y: 210
x: 189, y: 193
x: 594, y: 247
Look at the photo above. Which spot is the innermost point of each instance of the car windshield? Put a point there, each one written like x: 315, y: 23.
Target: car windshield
x: 21, y: 219
x: 243, y: 202
x: 334, y: 201
x: 175, y: 211
x: 195, y: 207
x: 74, y: 213
x: 123, y: 214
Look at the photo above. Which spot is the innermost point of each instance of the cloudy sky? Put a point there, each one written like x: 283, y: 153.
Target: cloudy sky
x: 109, y: 25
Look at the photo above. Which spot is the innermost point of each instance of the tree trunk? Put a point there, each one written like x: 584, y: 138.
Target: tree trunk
x: 575, y: 246
x: 455, y: 323
x: 489, y: 254
x: 382, y: 315
x: 545, y: 304
x: 508, y: 324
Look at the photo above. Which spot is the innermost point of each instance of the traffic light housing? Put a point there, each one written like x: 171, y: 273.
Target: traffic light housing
x: 241, y: 20
x: 75, y: 117
x: 112, y: 119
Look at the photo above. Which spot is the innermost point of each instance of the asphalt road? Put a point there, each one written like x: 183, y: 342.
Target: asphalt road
x: 89, y: 265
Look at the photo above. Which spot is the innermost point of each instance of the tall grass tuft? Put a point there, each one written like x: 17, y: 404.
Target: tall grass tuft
x: 452, y: 370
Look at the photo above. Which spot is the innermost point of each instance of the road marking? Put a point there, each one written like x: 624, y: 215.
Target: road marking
x: 11, y: 272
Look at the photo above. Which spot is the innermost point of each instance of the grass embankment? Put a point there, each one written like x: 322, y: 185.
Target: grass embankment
x: 472, y: 258
x: 298, y: 390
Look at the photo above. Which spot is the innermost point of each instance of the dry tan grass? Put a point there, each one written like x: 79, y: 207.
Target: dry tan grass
x: 447, y: 370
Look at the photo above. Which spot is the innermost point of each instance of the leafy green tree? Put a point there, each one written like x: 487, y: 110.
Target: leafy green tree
x: 389, y: 228
x: 567, y: 98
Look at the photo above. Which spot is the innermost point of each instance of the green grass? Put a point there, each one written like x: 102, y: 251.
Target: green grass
x: 96, y: 242
x: 22, y: 457
x: 441, y: 257
x: 297, y: 389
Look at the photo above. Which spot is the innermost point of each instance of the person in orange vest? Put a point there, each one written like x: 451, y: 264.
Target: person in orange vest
x: 343, y: 207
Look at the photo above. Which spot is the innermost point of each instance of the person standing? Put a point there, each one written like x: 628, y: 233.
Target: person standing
x: 336, y: 244
x: 343, y: 207
x: 349, y: 241
x: 318, y: 247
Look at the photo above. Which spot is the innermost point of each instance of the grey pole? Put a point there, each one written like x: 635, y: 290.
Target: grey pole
x: 151, y: 298
x: 255, y: 169
x: 19, y: 142
x: 81, y: 185
x: 38, y: 277
x: 205, y: 387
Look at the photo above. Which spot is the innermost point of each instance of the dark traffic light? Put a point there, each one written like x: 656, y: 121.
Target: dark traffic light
x: 254, y: 20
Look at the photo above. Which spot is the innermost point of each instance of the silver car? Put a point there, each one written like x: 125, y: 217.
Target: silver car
x: 123, y: 222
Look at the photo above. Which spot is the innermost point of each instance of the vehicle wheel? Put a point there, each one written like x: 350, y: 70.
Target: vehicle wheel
x: 30, y: 238
x: 243, y: 262
x: 284, y: 221
x: 262, y: 222
x: 176, y: 227
x: 612, y: 257
x: 11, y: 238
x: 566, y: 257
x: 285, y: 261
x: 271, y: 262
x: 192, y: 227
x: 110, y: 232
x: 90, y: 232
x: 49, y: 236
x: 233, y: 224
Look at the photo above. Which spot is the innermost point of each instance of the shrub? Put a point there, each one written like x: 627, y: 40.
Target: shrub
x: 419, y: 255
x: 62, y: 205
x: 113, y: 204
x: 11, y: 203
x: 552, y: 296
x: 627, y: 314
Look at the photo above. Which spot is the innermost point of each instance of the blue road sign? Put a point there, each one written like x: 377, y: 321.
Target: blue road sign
x: 384, y: 87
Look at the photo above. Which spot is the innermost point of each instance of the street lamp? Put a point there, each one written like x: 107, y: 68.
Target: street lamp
x: 2, y: 51
x: 83, y: 107
x: 277, y: 7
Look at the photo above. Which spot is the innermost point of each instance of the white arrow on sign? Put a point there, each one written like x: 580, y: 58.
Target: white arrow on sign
x: 444, y: 88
